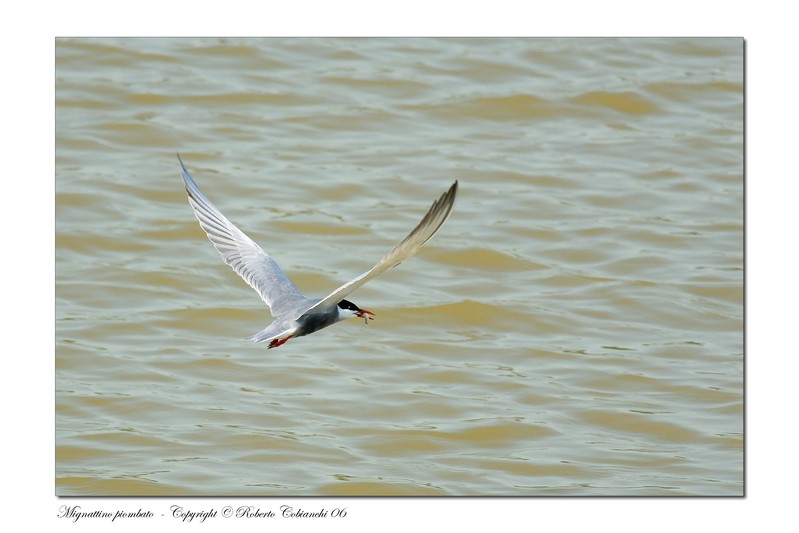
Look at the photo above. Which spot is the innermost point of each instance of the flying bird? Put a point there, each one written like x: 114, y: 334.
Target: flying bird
x: 295, y: 314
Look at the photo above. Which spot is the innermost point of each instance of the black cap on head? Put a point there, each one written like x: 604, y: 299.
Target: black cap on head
x: 346, y: 304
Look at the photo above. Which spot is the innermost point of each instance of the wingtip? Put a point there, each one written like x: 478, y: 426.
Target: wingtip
x: 453, y: 191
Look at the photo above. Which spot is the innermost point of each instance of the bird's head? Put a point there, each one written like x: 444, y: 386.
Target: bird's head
x: 347, y: 309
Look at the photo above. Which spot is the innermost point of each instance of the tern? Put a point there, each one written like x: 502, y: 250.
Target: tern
x: 295, y: 314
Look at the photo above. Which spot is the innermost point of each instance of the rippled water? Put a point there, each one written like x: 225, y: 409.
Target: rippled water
x: 575, y: 329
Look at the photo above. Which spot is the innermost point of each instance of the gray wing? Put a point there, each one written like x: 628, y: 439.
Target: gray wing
x: 249, y: 261
x: 430, y: 224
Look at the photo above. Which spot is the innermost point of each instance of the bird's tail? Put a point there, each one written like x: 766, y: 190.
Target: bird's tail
x: 271, y: 333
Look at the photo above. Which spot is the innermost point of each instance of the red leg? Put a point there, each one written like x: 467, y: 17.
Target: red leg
x: 278, y: 342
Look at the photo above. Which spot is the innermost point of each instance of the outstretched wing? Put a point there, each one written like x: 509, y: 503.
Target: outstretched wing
x: 428, y: 227
x: 249, y: 261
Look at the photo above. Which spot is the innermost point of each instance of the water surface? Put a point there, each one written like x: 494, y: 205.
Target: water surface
x: 575, y: 329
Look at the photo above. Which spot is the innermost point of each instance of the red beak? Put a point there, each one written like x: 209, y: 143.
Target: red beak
x: 363, y: 312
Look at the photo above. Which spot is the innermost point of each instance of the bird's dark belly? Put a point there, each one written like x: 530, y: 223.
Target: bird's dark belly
x: 314, y: 322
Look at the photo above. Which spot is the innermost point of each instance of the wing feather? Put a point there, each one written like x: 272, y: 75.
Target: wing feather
x: 429, y: 225
x: 255, y: 266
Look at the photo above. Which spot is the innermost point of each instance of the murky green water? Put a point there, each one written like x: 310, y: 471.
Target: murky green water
x: 575, y: 329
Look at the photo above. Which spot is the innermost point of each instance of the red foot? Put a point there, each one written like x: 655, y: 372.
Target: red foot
x: 277, y: 342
